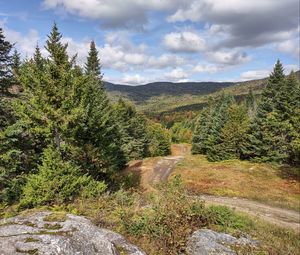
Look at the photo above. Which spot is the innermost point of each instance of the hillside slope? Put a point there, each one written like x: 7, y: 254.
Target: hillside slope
x: 166, y: 97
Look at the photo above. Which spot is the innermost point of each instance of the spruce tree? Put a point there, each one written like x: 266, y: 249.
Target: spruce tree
x: 233, y: 134
x: 133, y: 129
x: 63, y: 109
x: 272, y: 130
x: 16, y: 63
x: 6, y: 75
x: 92, y: 66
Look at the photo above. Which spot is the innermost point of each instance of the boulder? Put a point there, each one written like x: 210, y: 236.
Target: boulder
x: 209, y: 242
x: 39, y: 233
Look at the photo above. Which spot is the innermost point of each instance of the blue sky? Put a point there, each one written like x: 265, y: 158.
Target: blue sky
x: 141, y: 41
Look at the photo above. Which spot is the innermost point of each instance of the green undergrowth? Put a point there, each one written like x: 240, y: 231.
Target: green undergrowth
x: 160, y: 222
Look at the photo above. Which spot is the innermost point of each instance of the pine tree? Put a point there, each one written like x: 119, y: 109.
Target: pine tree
x: 56, y: 49
x: 38, y: 59
x: 271, y: 130
x: 207, y: 132
x: 92, y: 66
x: 251, y: 104
x: 16, y: 63
x: 233, y: 134
x: 159, y: 140
x: 133, y: 129
x: 64, y: 109
x: 6, y: 75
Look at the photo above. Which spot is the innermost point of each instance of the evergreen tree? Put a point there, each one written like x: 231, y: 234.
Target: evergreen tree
x: 159, y: 140
x: 92, y: 66
x: 6, y: 75
x: 251, y: 104
x: 233, y: 134
x: 38, y: 59
x: 64, y: 109
x: 16, y: 63
x: 133, y: 129
x: 272, y: 130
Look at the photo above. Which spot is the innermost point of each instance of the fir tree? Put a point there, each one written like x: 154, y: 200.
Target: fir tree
x: 92, y: 66
x: 159, y: 140
x: 233, y: 134
x: 6, y: 75
x: 133, y: 129
x: 66, y: 110
x: 16, y: 63
x: 272, y: 129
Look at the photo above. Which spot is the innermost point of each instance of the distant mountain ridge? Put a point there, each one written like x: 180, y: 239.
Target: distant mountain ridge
x: 159, y: 97
x: 144, y: 92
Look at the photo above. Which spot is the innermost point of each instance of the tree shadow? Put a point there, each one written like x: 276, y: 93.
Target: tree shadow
x: 289, y: 172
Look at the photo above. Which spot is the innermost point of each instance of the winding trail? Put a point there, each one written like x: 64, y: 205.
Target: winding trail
x: 159, y: 169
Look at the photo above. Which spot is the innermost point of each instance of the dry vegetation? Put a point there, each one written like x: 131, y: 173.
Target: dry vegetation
x: 274, y: 185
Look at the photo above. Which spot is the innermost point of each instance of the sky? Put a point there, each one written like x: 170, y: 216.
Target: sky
x: 142, y: 41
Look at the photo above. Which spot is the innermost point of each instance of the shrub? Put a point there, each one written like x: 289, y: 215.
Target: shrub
x: 57, y: 181
x: 170, y: 219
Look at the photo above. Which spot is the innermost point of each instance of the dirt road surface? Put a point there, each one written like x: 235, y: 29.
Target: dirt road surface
x: 156, y: 170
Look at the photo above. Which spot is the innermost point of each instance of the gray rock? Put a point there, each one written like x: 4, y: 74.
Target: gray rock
x: 74, y: 236
x: 208, y: 242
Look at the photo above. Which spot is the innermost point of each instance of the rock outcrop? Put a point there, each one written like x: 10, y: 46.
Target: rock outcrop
x: 208, y: 242
x: 42, y: 234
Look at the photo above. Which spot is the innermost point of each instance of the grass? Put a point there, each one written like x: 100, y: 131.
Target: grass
x: 160, y: 222
x: 56, y: 217
x: 32, y: 251
x: 273, y: 185
x: 31, y: 240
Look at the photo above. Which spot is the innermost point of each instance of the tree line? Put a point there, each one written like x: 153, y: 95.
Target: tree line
x: 264, y: 130
x: 61, y: 137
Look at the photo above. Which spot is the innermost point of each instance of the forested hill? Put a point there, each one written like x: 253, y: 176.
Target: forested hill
x: 144, y: 92
x: 160, y: 97
x: 140, y: 93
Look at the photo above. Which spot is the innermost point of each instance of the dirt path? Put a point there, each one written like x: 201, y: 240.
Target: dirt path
x: 277, y: 216
x: 158, y: 170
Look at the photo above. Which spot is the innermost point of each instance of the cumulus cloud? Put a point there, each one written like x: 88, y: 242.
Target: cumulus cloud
x: 177, y: 74
x: 254, y: 74
x: 247, y: 23
x: 184, y: 42
x: 135, y: 79
x: 290, y: 46
x: 207, y: 68
x: 25, y: 43
x: 114, y: 13
x: 229, y: 58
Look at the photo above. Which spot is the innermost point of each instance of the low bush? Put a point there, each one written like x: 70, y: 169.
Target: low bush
x: 58, y: 181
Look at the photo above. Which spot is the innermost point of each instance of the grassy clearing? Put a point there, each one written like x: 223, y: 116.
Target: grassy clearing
x: 160, y: 222
x: 274, y: 185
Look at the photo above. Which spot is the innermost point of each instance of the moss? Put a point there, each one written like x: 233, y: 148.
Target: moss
x: 56, y: 216
x: 121, y: 250
x: 32, y: 251
x: 29, y: 224
x: 52, y: 226
x: 31, y: 240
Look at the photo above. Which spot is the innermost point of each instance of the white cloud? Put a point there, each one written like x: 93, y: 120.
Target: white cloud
x: 135, y: 79
x: 24, y: 43
x: 177, y: 74
x: 255, y: 74
x: 184, y: 42
x: 207, y: 68
x: 290, y: 46
x: 230, y: 58
x: 114, y: 13
x: 289, y: 68
x: 246, y: 23
x: 165, y: 60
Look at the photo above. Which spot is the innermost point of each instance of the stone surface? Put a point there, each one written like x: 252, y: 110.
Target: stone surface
x: 208, y: 242
x: 74, y: 236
